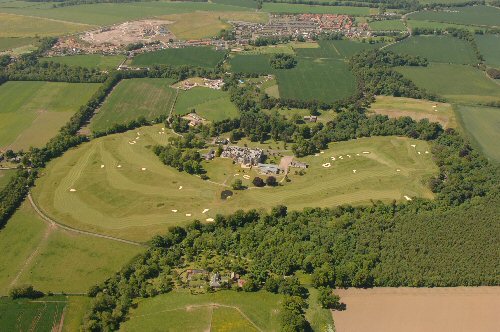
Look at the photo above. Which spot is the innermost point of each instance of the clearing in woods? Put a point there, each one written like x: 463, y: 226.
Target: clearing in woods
x: 114, y: 186
x: 213, y: 105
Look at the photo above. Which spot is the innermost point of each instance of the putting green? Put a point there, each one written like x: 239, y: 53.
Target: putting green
x: 87, y: 189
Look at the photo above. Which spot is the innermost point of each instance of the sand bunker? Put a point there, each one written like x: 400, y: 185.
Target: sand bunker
x: 174, y: 211
x: 131, y: 143
x: 398, y: 170
x: 102, y: 166
x: 348, y: 155
x: 341, y: 157
x: 366, y: 152
x: 209, y: 219
x: 237, y: 174
x: 188, y: 214
x: 322, y: 152
x: 316, y: 155
x: 143, y: 169
x: 205, y: 210
x: 413, y: 145
x: 333, y: 158
x: 426, y: 152
x: 246, y: 177
x: 354, y: 171
x: 119, y: 166
x: 326, y: 165
x: 418, y: 152
x: 407, y: 198
x: 357, y: 154
x: 72, y: 190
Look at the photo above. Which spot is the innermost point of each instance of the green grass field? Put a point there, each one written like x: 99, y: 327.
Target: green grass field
x: 131, y: 98
x: 213, y: 105
x: 336, y: 49
x: 251, y: 63
x: 76, y: 309
x: 457, y: 83
x: 89, y: 60
x: 482, y: 124
x: 489, y: 46
x: 133, y: 203
x: 387, y: 25
x: 5, y: 176
x: 219, y: 311
x: 205, y: 57
x: 33, y: 112
x: 475, y: 15
x: 444, y: 49
x: 12, y: 43
x: 437, y: 25
x: 299, y: 8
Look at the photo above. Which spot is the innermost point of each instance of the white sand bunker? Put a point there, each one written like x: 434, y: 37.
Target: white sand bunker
x: 426, y: 152
x: 137, y: 137
x: 102, y: 166
x: 72, y: 190
x: 174, y: 211
x: 131, y: 143
x: 413, y: 145
x: 237, y: 174
x: 354, y: 171
x: 326, y: 165
x: 366, y: 152
x: 180, y: 187
x: 143, y: 169
x: 333, y: 158
x: 246, y: 177
x: 357, y: 154
x: 205, y: 210
x: 349, y: 155
x: 188, y: 214
x: 163, y: 129
x: 209, y: 219
x: 419, y: 152
x: 138, y: 134
x: 322, y: 152
x: 316, y: 155
x: 341, y: 157
x: 407, y: 198
x: 398, y: 170
x: 119, y: 166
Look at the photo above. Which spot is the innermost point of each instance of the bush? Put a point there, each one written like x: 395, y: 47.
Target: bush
x: 258, y: 182
x: 271, y: 181
x: 282, y: 61
x: 26, y: 291
x: 238, y: 185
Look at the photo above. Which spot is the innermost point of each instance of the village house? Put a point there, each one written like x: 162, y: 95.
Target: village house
x: 243, y: 155
x: 269, y: 168
x: 209, y: 155
x: 310, y: 118
x: 298, y: 164
x: 194, y: 119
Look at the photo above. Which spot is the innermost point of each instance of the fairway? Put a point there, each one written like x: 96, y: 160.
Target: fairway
x: 132, y: 98
x: 33, y: 112
x: 489, y: 46
x: 205, y: 57
x: 133, y: 203
x: 474, y: 15
x: 89, y: 60
x: 213, y: 105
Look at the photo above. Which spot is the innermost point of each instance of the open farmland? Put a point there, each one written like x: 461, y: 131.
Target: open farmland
x: 251, y: 63
x: 412, y: 24
x: 104, y: 62
x: 387, y: 25
x: 213, y: 105
x: 445, y: 49
x: 489, y: 46
x: 12, y: 43
x: 205, y: 57
x: 136, y: 199
x: 457, y: 83
x: 314, y: 9
x: 33, y: 112
x: 219, y: 311
x: 337, y: 49
x: 473, y: 15
x: 132, y: 98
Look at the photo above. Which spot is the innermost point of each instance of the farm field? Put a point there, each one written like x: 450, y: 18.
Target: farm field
x: 457, y: 83
x: 213, y: 105
x: 472, y: 15
x: 33, y: 112
x: 75, y: 311
x: 240, y: 3
x: 445, y: 49
x: 5, y: 176
x: 205, y: 57
x: 417, y: 109
x: 135, y: 204
x: 89, y: 60
x: 132, y: 98
x: 7, y: 43
x: 457, y: 309
x: 219, y: 311
x: 314, y: 9
x: 252, y: 63
x: 483, y: 125
x: 489, y: 46
x: 412, y: 24
x: 336, y: 49
x: 387, y: 25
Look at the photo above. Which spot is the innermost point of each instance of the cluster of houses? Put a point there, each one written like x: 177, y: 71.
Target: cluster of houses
x: 216, y: 279
x: 245, y: 156
x: 205, y: 82
x: 194, y: 119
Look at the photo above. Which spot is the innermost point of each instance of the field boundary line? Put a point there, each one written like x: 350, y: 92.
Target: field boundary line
x: 52, y: 222
x: 173, y: 104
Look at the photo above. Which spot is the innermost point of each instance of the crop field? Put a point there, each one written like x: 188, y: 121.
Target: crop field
x: 89, y: 60
x: 33, y: 112
x: 438, y: 25
x: 239, y: 3
x: 205, y: 57
x: 52, y: 259
x: 252, y: 63
x: 12, y: 43
x: 456, y: 83
x: 489, y: 46
x: 134, y: 194
x: 131, y: 98
x: 387, y: 25
x: 219, y: 311
x: 417, y: 109
x: 483, y: 126
x: 312, y: 9
x: 5, y: 176
x: 337, y: 49
x: 474, y: 15
x: 23, y: 26
x: 213, y: 105
x: 445, y: 49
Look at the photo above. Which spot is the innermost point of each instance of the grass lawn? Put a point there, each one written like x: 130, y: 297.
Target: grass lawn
x: 133, y: 203
x: 457, y: 83
x: 89, y: 60
x: 314, y: 9
x: 213, y: 105
x: 5, y: 176
x: 33, y: 112
x: 76, y: 309
x: 23, y: 26
x: 445, y: 49
x: 336, y: 49
x: 7, y: 43
x: 483, y: 126
x: 489, y: 46
x: 415, y: 108
x: 131, y: 98
x: 205, y: 57
x: 219, y: 311
x: 472, y: 15
x: 387, y: 25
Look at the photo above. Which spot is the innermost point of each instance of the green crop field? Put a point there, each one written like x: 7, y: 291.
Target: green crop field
x: 213, y: 105
x: 148, y: 97
x: 456, y: 83
x: 205, y: 57
x: 33, y: 112
x: 239, y: 3
x: 89, y: 60
x: 12, y: 43
x: 489, y: 46
x: 136, y: 199
x: 445, y: 49
x: 5, y: 176
x: 55, y: 260
x: 251, y: 63
x: 475, y: 15
x: 312, y: 9
x: 219, y: 311
x: 483, y: 125
x: 387, y: 25
x: 437, y: 25
x: 337, y: 49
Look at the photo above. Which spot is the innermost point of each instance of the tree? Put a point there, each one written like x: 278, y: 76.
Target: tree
x: 258, y: 182
x: 282, y: 61
x: 238, y: 185
x: 25, y: 291
x: 271, y: 181
x: 328, y: 300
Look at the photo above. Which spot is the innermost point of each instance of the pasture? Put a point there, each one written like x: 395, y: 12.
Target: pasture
x: 482, y: 124
x: 132, y: 98
x: 33, y: 112
x: 456, y: 83
x: 220, y: 311
x: 134, y: 196
x: 287, y: 8
x: 213, y: 105
x: 7, y: 43
x: 412, y: 24
x: 417, y: 109
x: 5, y: 176
x: 489, y: 46
x: 205, y: 57
x: 336, y: 49
x: 104, y: 62
x: 444, y: 49
x: 387, y: 25
x: 472, y: 15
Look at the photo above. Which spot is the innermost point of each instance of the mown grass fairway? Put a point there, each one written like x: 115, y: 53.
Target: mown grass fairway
x: 33, y: 112
x: 205, y: 57
x: 314, y: 9
x: 489, y: 46
x: 219, y: 311
x: 445, y: 49
x: 134, y: 203
x: 483, y: 125
x: 387, y: 25
x: 213, y: 105
x: 22, y: 26
x: 89, y: 60
x: 456, y: 83
x: 474, y: 15
x: 148, y: 97
x: 417, y: 109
